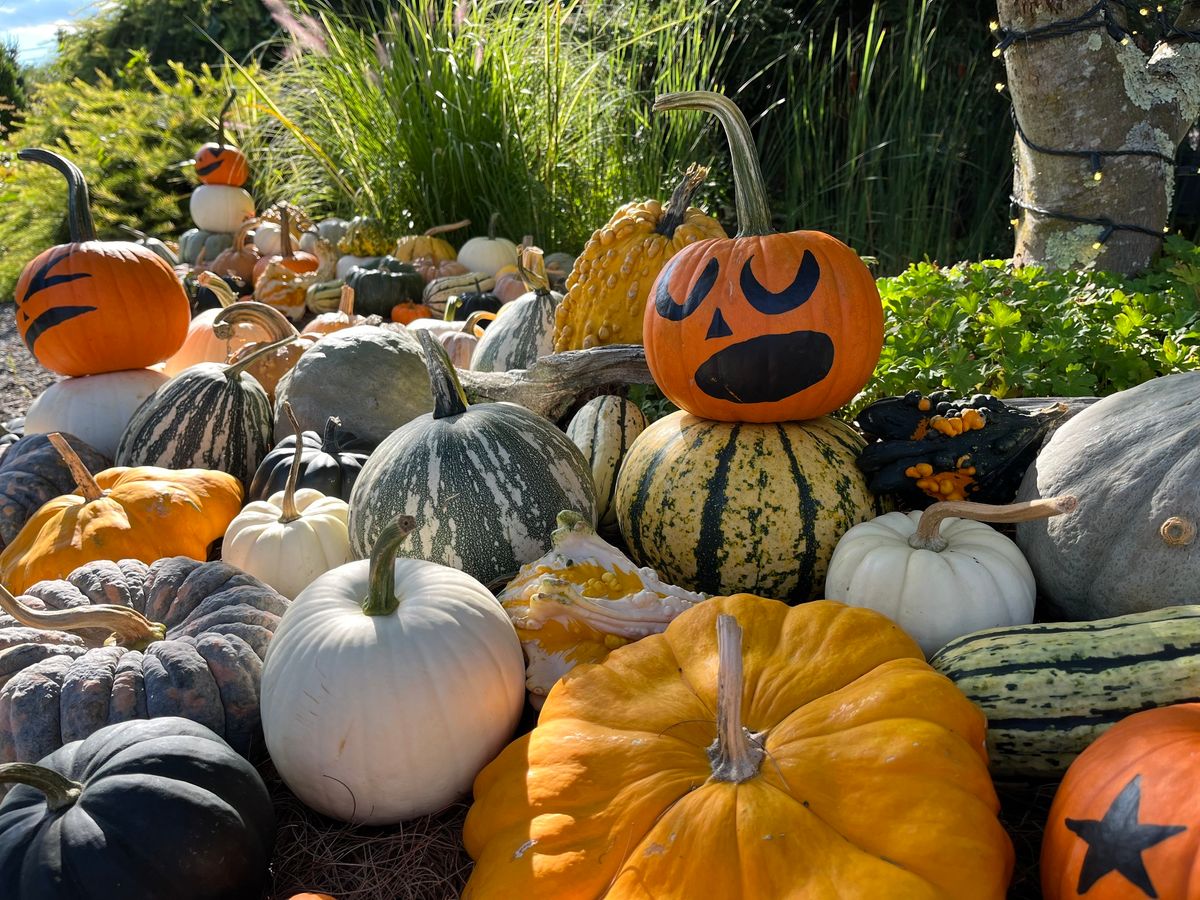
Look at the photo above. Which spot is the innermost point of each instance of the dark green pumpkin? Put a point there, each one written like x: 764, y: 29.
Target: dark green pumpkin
x: 329, y: 463
x: 137, y: 811
x: 380, y: 286
x: 471, y: 302
x: 948, y: 448
x: 57, y: 686
x: 32, y: 472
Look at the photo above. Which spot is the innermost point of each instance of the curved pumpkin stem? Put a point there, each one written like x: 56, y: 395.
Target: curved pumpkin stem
x: 288, y: 512
x: 221, y: 117
x: 381, y: 592
x: 79, y: 213
x: 61, y: 792
x: 233, y: 370
x: 88, y: 489
x: 737, y: 753
x: 243, y: 233
x: 471, y: 326
x: 753, y: 211
x: 449, y: 399
x: 492, y: 220
x: 531, y: 266
x: 442, y: 229
x: 329, y: 435
x: 268, y: 318
x: 681, y: 199
x: 130, y: 628
x: 219, y: 286
x: 927, y: 536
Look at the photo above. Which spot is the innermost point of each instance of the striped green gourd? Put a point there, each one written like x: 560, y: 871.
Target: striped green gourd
x: 524, y: 328
x: 1049, y: 690
x: 485, y: 482
x: 209, y: 416
x: 604, y: 429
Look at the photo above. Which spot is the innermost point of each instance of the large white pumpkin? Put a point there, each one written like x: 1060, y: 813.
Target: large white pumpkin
x: 937, y: 576
x: 220, y: 207
x: 380, y: 710
x: 95, y: 408
x: 488, y: 254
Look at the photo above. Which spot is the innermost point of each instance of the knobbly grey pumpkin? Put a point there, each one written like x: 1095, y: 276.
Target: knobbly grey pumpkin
x: 32, y: 472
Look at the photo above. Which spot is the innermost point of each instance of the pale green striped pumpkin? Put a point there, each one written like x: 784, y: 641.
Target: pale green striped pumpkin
x: 522, y: 331
x: 485, y: 482
x: 604, y: 429
x: 209, y: 416
x: 723, y: 508
x: 1050, y: 689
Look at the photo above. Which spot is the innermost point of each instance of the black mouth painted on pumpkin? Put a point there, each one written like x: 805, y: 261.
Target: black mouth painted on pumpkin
x: 767, y: 368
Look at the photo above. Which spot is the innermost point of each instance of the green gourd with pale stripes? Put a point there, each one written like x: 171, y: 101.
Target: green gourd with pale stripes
x: 604, y: 429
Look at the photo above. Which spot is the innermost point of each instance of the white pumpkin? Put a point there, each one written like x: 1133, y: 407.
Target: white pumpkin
x: 941, y: 573
x: 488, y: 254
x: 95, y: 408
x: 267, y: 238
x: 603, y: 429
x: 380, y: 710
x: 220, y: 207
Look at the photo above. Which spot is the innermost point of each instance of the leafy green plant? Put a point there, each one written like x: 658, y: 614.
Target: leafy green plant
x: 1013, y: 332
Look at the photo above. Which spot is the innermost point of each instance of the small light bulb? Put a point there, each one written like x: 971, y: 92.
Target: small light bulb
x: 999, y: 85
x: 1166, y: 229
x: 993, y: 26
x: 1097, y: 176
x: 1159, y: 7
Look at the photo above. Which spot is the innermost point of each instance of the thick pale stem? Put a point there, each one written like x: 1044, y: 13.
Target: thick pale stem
x: 129, y: 627
x: 220, y: 287
x: 442, y: 229
x: 234, y: 370
x: 79, y: 212
x: 681, y: 199
x: 243, y: 234
x: 448, y: 396
x: 927, y: 536
x: 268, y: 318
x: 750, y: 192
x: 381, y: 592
x: 736, y: 754
x: 288, y: 511
x: 61, y: 792
x: 346, y: 302
x: 471, y: 326
x: 531, y: 266
x: 88, y: 488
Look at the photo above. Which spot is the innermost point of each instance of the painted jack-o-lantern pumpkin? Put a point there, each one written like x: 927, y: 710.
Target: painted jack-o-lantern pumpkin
x: 762, y: 327
x: 218, y: 162
x: 95, y: 306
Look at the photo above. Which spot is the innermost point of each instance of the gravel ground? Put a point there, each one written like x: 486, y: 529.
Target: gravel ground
x: 21, y: 376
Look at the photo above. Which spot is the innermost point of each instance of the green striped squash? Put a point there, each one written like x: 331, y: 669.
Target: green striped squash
x: 604, y: 429
x: 485, y: 482
x: 1049, y: 690
x: 209, y: 416
x: 523, y: 331
x: 723, y: 508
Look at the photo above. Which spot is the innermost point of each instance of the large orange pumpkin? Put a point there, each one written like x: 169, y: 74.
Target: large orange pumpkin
x: 1125, y: 823
x: 822, y: 759
x: 761, y: 327
x: 221, y: 163
x: 97, y: 306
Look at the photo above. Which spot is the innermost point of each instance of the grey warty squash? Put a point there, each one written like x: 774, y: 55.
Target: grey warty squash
x: 190, y: 638
x: 1133, y: 460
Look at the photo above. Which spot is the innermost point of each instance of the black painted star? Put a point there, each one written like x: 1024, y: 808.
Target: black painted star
x: 1116, y: 842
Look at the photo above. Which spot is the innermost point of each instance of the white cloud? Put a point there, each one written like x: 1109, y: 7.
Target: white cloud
x: 35, y: 43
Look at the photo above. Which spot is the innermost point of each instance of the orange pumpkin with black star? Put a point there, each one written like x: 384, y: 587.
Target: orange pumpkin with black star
x: 761, y: 327
x: 1125, y: 823
x: 94, y: 306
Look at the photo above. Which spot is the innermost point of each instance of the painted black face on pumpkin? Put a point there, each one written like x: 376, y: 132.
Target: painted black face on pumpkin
x: 752, y: 360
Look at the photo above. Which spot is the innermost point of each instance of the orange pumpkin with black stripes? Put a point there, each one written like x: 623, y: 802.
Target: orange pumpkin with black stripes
x: 95, y: 306
x: 218, y: 162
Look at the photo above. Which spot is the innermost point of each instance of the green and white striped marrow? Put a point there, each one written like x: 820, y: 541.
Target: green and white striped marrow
x: 524, y: 328
x: 604, y: 429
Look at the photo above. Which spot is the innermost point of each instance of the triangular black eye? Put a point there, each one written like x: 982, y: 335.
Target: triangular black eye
x: 791, y: 297
x: 719, y: 328
x: 665, y: 303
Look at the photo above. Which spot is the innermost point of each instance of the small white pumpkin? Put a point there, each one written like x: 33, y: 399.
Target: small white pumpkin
x: 95, y: 408
x: 524, y: 329
x: 220, y: 207
x: 488, y: 254
x: 291, y: 538
x: 379, y: 710
x: 941, y: 573
x: 604, y: 428
x: 267, y: 238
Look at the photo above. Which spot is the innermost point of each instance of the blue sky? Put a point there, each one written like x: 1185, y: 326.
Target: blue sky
x: 31, y: 24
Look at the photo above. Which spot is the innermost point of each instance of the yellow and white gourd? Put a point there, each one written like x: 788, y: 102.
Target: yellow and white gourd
x: 941, y: 573
x: 581, y: 601
x: 294, y: 537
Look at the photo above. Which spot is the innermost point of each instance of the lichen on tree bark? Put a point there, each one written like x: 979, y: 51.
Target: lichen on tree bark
x: 1089, y: 91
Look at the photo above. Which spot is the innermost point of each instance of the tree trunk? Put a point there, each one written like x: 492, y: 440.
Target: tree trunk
x: 1092, y: 91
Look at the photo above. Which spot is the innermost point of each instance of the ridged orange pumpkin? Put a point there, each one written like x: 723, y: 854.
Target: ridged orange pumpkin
x: 218, y: 162
x: 144, y: 513
x: 762, y: 327
x: 837, y: 765
x: 97, y: 306
x: 1125, y: 823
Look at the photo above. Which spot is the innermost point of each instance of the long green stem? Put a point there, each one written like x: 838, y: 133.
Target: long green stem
x: 61, y: 792
x: 753, y: 211
x: 79, y: 213
x: 381, y: 580
x: 449, y: 399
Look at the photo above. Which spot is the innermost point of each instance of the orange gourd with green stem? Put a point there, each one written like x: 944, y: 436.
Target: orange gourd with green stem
x: 218, y: 162
x: 94, y: 306
x: 761, y: 327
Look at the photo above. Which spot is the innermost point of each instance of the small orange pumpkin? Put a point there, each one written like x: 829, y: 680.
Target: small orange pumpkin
x: 343, y: 317
x: 97, y: 306
x: 761, y: 327
x: 410, y: 312
x: 294, y: 260
x: 1125, y: 822
x: 239, y: 260
x: 221, y: 163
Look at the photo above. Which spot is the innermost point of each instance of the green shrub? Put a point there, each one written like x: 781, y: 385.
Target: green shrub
x: 128, y: 141
x: 1031, y: 333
